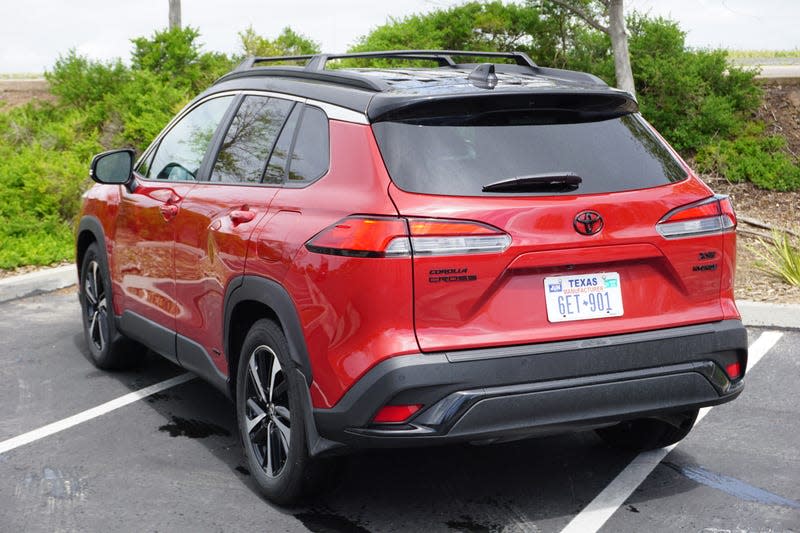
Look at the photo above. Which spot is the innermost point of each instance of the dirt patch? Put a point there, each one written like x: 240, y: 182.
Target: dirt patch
x: 14, y: 93
x: 780, y: 111
x: 776, y: 209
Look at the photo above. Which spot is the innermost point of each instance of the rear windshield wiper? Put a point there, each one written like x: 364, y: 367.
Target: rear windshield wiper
x: 550, y: 182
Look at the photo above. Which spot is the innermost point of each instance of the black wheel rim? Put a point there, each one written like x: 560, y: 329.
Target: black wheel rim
x: 267, y: 414
x: 94, y: 293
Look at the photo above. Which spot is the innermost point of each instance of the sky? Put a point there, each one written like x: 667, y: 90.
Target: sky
x: 33, y: 33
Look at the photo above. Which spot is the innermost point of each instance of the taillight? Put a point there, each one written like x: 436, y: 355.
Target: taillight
x: 395, y: 414
x: 364, y: 236
x: 712, y: 215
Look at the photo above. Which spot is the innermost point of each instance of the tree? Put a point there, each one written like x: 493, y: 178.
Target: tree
x: 612, y: 10
x: 288, y: 43
x: 487, y: 26
x: 174, y: 14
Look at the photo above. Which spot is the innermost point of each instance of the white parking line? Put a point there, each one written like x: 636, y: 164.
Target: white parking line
x: 605, y: 504
x: 94, y: 412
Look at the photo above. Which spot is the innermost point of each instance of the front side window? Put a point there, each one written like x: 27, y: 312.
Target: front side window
x: 181, y: 151
x: 250, y: 139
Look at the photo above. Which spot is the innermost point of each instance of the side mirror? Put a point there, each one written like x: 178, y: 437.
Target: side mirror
x: 113, y: 168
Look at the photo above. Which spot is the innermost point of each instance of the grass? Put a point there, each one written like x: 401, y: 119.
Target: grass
x: 780, y: 258
x: 21, y: 76
x: 764, y: 57
x: 764, y: 54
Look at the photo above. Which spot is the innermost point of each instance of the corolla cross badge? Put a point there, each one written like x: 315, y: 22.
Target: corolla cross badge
x: 588, y: 222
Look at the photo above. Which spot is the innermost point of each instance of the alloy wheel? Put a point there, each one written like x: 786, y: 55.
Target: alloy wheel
x: 96, y: 305
x: 268, y: 419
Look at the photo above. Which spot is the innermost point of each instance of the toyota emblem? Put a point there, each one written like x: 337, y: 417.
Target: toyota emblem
x: 588, y: 222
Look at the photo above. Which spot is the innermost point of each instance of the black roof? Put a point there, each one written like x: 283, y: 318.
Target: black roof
x: 382, y: 93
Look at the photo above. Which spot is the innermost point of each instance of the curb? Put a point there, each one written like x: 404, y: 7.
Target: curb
x: 759, y: 314
x: 769, y: 315
x: 41, y: 281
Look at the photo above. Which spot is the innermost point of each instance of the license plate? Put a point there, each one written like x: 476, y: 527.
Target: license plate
x: 583, y: 296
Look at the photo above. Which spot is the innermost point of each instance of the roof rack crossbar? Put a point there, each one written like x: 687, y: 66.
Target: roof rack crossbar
x: 443, y: 57
x: 251, y: 61
x: 317, y: 62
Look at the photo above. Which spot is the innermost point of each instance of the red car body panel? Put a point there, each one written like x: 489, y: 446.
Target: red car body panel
x: 211, y: 250
x: 356, y: 312
x: 505, y: 304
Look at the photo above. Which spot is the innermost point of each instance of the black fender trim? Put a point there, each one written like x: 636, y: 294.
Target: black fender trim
x: 92, y: 225
x: 273, y: 295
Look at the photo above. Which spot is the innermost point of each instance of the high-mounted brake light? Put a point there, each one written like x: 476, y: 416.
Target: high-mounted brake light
x: 712, y: 215
x: 364, y: 236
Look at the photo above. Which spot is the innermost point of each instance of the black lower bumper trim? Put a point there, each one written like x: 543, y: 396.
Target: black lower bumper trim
x: 521, y: 391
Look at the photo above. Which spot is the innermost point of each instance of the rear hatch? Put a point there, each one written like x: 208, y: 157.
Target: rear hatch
x: 550, y: 223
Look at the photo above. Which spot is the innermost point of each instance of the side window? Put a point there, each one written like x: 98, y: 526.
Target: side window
x: 181, y: 151
x: 144, y: 166
x: 276, y: 169
x: 311, y: 152
x: 255, y: 127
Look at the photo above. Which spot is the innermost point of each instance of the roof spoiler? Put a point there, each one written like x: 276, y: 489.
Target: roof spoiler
x: 578, y: 105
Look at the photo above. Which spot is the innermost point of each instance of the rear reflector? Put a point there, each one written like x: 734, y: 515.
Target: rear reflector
x: 363, y: 236
x: 395, y: 414
x: 712, y: 215
x: 734, y: 370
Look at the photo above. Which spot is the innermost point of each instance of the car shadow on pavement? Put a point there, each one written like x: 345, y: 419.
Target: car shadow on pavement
x: 543, y: 481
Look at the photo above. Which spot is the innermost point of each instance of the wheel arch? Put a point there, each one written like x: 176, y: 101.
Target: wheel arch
x: 250, y: 298
x: 89, y: 230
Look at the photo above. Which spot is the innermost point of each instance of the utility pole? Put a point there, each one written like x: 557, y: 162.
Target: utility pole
x: 174, y: 14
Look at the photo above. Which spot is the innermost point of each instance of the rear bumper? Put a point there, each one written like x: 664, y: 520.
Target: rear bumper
x: 519, y: 391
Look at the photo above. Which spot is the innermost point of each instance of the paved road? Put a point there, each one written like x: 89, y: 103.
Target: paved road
x: 779, y: 71
x: 172, y: 462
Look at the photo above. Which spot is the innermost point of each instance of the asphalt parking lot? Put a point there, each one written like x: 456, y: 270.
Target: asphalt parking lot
x: 172, y: 461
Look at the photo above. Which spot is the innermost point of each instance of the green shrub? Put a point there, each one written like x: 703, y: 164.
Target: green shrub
x: 175, y: 56
x: 288, y: 43
x: 80, y: 82
x: 753, y: 157
x: 45, y: 149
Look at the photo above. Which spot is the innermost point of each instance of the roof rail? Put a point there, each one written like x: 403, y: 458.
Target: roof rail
x: 315, y: 65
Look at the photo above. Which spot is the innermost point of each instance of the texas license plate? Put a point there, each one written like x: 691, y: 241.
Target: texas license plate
x: 583, y: 296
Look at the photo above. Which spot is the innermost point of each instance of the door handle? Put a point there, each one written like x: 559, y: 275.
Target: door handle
x: 168, y: 211
x: 240, y: 216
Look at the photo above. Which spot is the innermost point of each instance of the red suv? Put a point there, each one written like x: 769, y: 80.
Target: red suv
x: 466, y: 252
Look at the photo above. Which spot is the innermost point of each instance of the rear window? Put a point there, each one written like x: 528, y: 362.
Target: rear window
x: 459, y: 156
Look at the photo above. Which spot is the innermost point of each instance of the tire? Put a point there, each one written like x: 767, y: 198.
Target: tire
x: 649, y: 433
x: 270, y: 414
x: 108, y: 348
